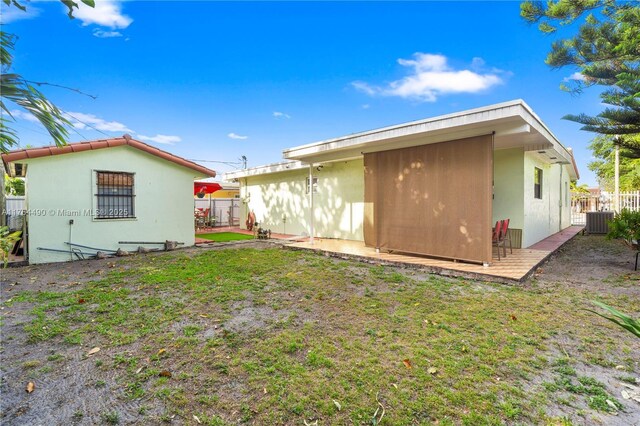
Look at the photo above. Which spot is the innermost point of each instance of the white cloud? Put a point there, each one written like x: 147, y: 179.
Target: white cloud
x: 278, y: 114
x: 106, y: 34
x: 364, y: 87
x: 88, y: 122
x: 366, y: 106
x: 163, y: 139
x: 83, y: 121
x: 432, y: 77
x: 9, y: 14
x: 23, y: 115
x: 235, y: 136
x: 106, y: 13
x: 575, y: 76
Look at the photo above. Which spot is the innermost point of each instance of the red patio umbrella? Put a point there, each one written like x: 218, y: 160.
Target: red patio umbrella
x: 205, y: 187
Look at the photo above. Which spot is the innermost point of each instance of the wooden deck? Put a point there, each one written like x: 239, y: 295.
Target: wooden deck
x: 514, y: 268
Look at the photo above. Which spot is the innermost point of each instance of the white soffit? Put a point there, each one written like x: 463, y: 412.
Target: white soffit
x: 285, y: 166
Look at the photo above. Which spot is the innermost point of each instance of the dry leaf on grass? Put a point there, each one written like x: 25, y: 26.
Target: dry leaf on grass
x: 632, y: 392
x: 165, y: 374
x: 30, y: 387
x: 161, y: 351
x: 93, y: 351
x: 197, y: 419
x: 337, y: 404
x: 432, y: 370
x: 514, y: 318
x: 407, y: 363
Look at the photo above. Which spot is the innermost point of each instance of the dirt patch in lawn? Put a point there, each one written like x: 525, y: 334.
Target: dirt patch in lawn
x: 590, y: 268
x: 253, y: 334
x: 590, y: 263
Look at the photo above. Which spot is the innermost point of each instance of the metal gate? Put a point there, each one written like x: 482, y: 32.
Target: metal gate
x: 582, y: 203
x: 221, y: 211
x: 15, y: 211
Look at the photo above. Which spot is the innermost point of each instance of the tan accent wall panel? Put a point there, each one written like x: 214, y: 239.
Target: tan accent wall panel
x: 432, y: 199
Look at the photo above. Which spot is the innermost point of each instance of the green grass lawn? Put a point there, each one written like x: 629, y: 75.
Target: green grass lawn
x: 282, y: 337
x: 221, y: 237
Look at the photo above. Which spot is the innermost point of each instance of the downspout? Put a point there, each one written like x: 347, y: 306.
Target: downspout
x: 560, y: 201
x: 311, y: 230
x: 70, y: 240
x: 493, y: 191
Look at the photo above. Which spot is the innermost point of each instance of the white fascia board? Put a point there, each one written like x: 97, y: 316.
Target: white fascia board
x: 560, y: 149
x: 474, y: 120
x: 285, y: 166
x: 464, y: 118
x: 471, y: 119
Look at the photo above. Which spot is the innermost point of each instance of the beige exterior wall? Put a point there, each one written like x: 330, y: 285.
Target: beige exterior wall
x: 62, y: 187
x: 546, y: 216
x: 508, y: 181
x: 338, y: 203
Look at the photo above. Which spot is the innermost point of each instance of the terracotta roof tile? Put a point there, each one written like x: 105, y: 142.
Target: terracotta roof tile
x: 22, y: 154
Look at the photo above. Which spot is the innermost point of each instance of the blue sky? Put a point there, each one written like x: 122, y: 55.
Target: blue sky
x: 214, y: 81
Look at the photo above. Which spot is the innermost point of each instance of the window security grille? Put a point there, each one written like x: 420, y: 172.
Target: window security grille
x: 115, y: 197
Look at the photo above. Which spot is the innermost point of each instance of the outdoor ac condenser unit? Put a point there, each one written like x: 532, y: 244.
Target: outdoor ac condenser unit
x: 598, y: 222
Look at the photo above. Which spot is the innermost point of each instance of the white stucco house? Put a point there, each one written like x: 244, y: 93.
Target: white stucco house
x: 101, y: 193
x: 433, y: 187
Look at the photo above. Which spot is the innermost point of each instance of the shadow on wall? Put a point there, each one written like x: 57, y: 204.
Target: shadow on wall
x: 283, y: 205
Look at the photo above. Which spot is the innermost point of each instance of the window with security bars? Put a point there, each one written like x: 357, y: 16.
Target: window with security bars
x: 115, y: 197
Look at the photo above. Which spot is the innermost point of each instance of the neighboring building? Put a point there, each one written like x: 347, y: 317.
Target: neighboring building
x: 227, y: 190
x: 101, y: 192
x: 432, y: 187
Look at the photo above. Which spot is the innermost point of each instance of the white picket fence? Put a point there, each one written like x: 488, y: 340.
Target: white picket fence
x: 583, y: 203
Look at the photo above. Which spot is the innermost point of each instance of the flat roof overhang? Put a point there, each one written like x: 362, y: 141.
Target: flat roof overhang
x: 513, y: 124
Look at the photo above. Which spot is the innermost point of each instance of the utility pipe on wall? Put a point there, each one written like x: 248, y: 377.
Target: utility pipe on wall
x: 70, y: 248
x: 311, y: 230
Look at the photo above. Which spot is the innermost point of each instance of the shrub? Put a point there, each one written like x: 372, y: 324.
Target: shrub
x: 626, y: 225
